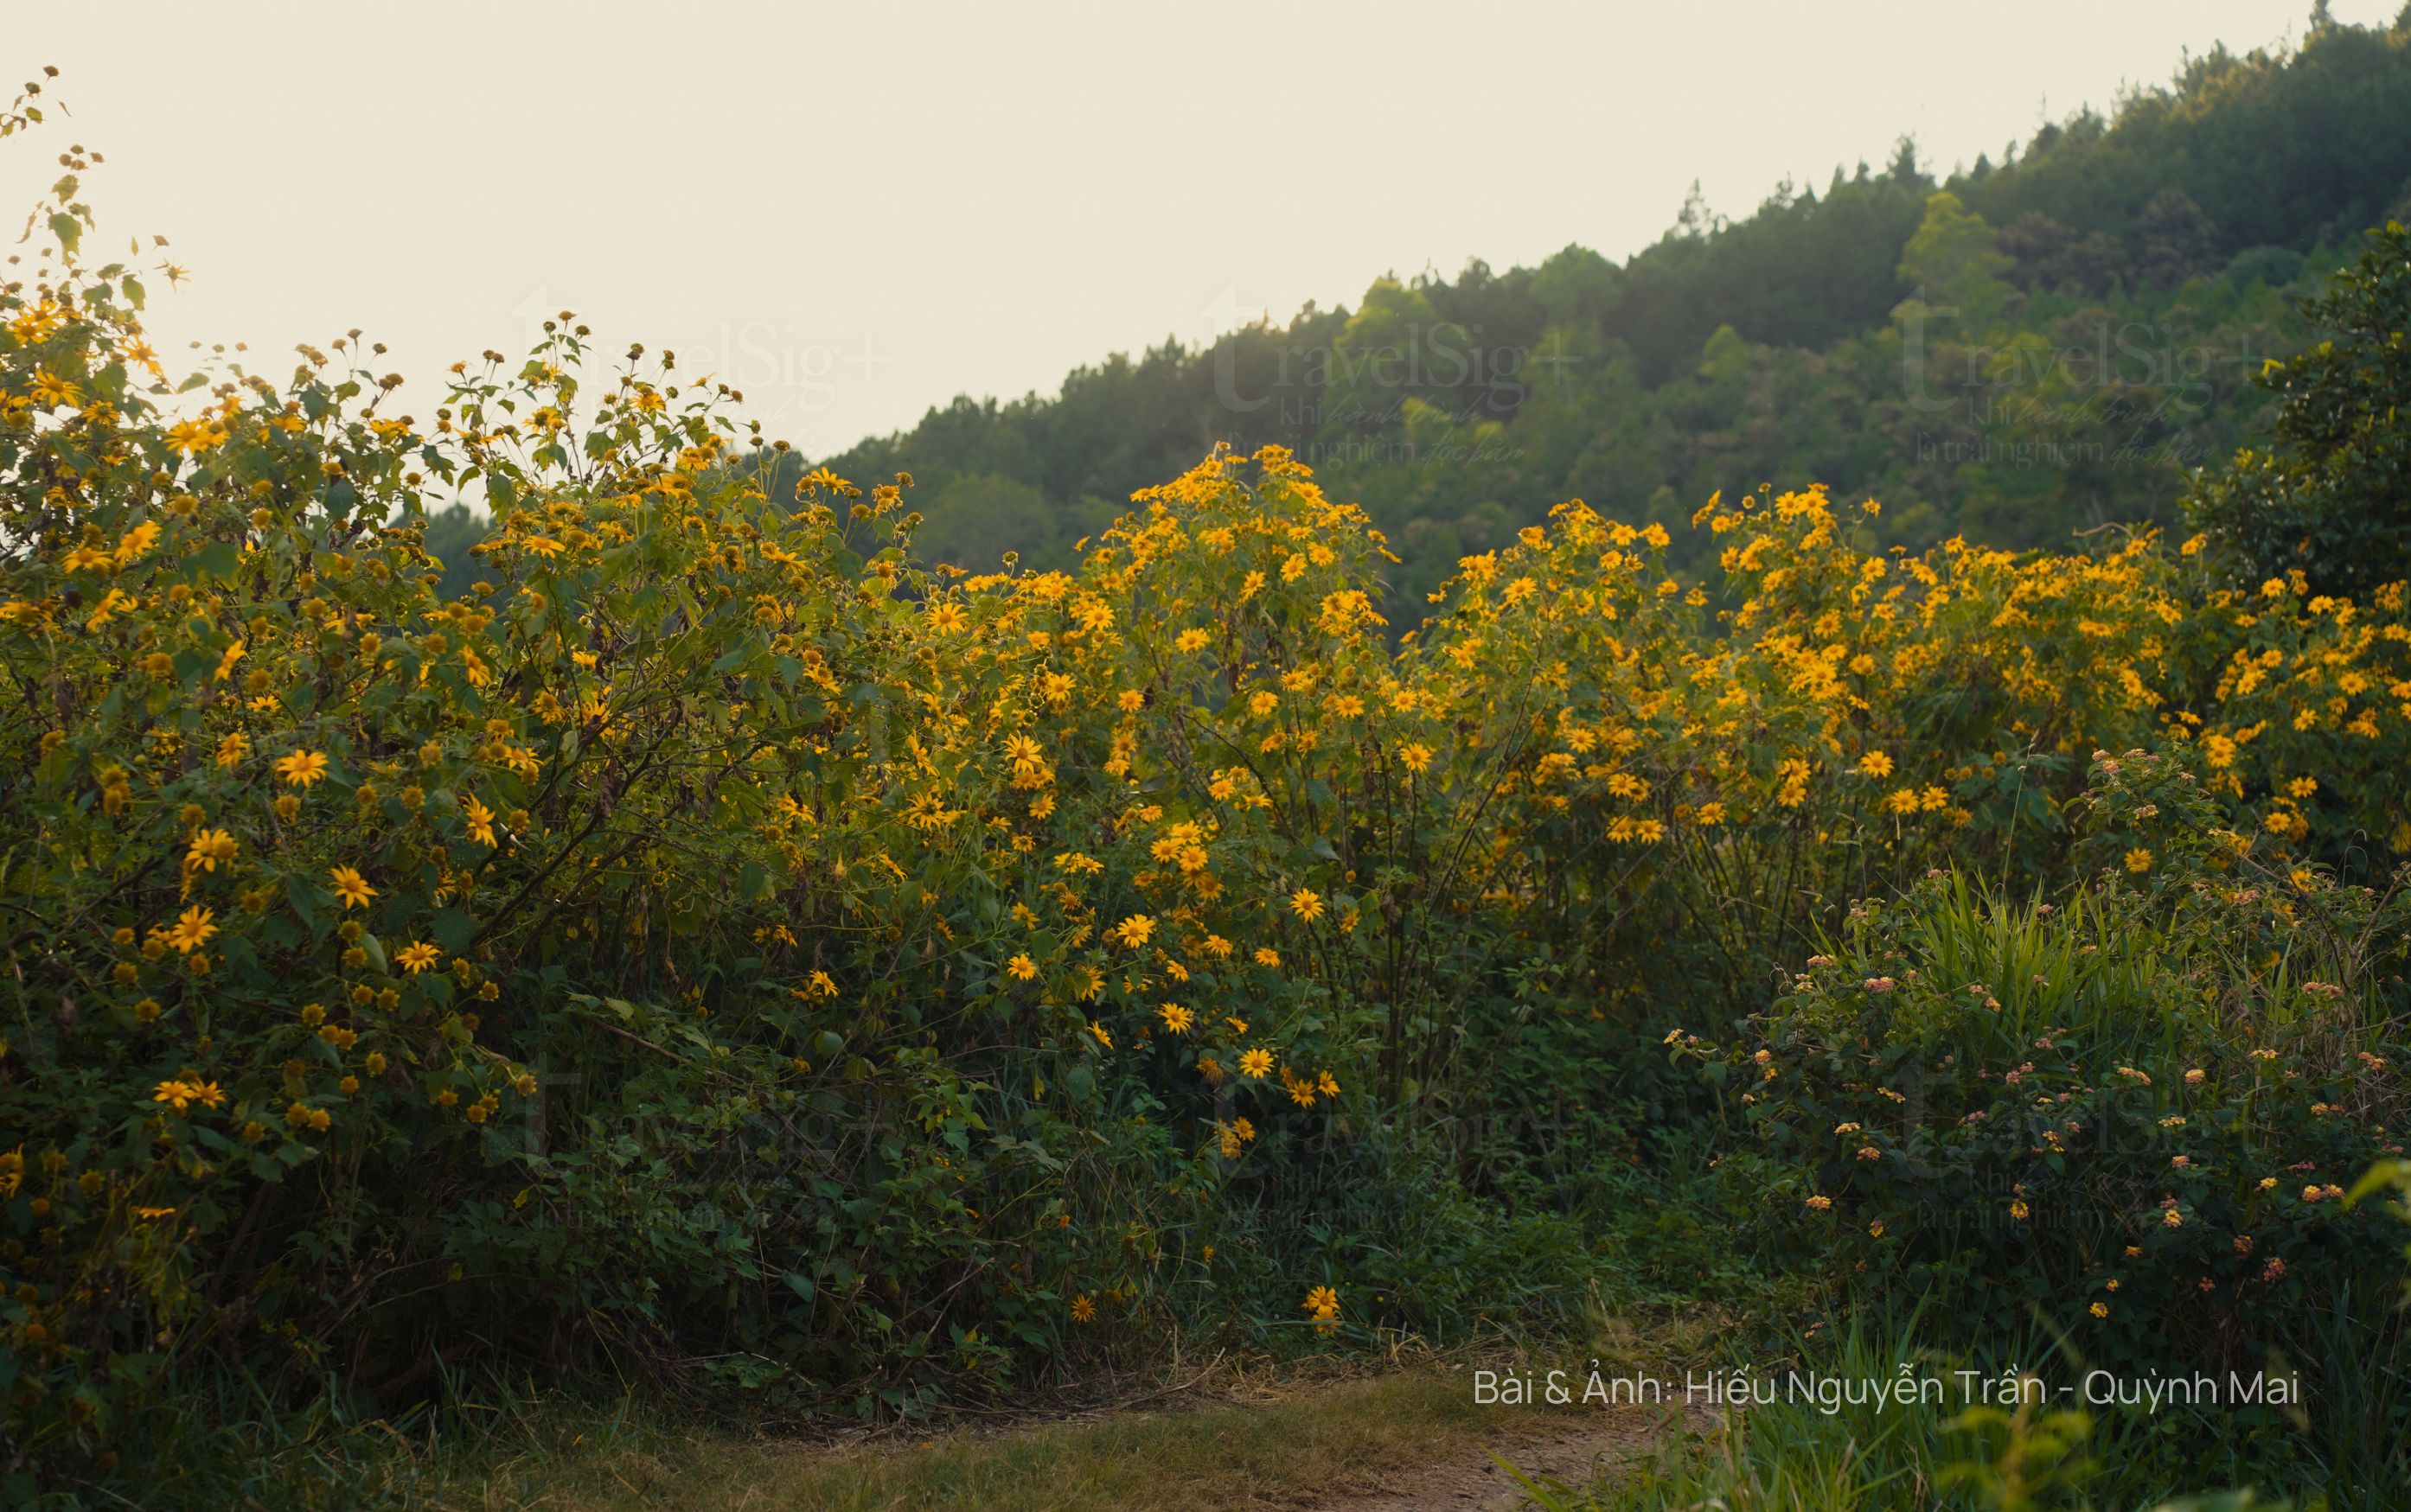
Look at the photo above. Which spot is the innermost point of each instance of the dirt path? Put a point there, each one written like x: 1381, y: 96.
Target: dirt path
x: 1410, y: 1440
x: 1586, y: 1449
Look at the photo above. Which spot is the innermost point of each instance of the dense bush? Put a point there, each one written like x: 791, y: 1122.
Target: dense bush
x: 717, y: 945
x: 2137, y: 1111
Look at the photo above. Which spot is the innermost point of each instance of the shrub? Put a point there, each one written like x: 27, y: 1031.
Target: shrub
x: 2134, y: 1114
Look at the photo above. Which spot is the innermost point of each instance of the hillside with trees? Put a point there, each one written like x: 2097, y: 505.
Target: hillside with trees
x: 2012, y: 352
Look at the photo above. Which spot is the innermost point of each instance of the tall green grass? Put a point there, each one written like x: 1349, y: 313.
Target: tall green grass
x: 2035, y: 1456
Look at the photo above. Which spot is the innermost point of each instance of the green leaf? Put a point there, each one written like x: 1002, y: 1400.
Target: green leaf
x: 303, y: 894
x: 452, y: 929
x: 219, y: 559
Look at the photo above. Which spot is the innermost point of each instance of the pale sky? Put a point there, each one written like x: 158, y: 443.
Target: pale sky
x: 854, y: 213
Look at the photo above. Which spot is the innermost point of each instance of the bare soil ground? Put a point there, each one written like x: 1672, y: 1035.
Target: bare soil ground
x: 1573, y: 1450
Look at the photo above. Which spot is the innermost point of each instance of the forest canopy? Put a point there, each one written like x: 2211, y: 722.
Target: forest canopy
x: 2012, y: 350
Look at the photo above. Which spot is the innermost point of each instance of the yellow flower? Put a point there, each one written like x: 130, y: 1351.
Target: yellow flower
x: 1306, y: 903
x: 1134, y: 930
x: 210, y: 848
x: 481, y: 821
x: 418, y: 956
x: 193, y: 929
x: 1416, y: 757
x: 303, y: 768
x: 1083, y: 1310
x: 194, y: 436
x: 1022, y: 968
x: 53, y: 390
x: 2100, y: 1309
x: 181, y: 1092
x: 2138, y: 860
x: 1256, y: 1063
x: 351, y: 887
x: 1875, y: 763
x: 1176, y: 1018
x: 1025, y: 754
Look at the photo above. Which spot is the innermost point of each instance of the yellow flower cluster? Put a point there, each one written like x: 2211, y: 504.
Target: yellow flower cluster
x: 709, y: 768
